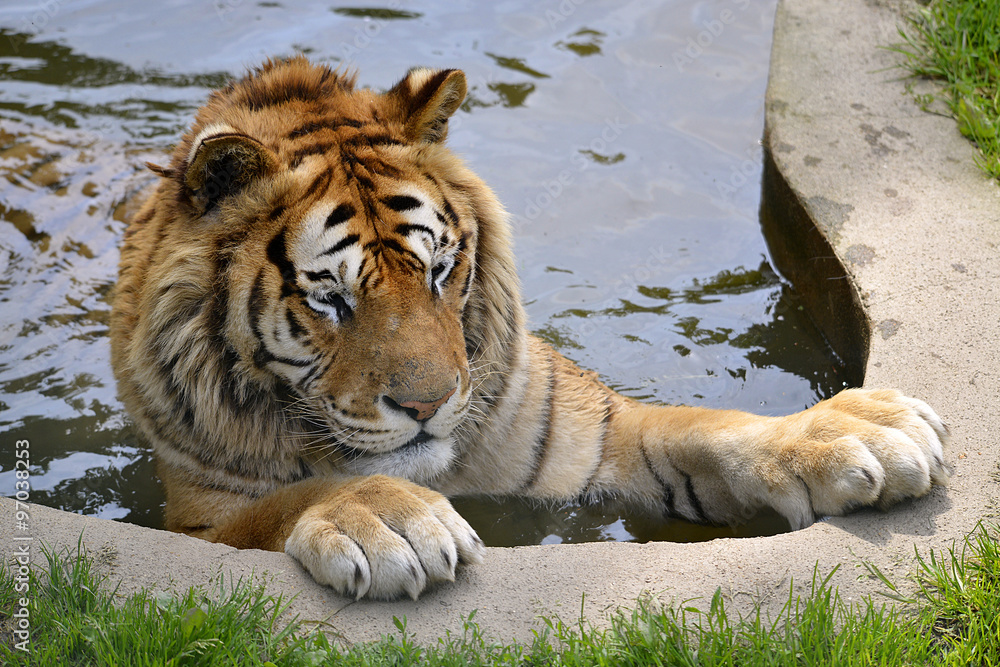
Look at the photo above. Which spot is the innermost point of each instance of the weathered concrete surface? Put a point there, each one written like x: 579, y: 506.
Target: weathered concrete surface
x: 897, y: 195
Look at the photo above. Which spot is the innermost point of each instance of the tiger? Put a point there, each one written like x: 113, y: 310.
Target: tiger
x: 318, y: 327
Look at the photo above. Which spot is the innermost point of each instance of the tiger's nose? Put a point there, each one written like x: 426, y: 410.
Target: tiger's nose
x: 419, y: 410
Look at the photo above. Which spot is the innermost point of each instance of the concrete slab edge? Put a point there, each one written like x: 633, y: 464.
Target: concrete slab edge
x: 898, y: 200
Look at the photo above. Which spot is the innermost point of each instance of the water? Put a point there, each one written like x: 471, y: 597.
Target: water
x: 622, y: 136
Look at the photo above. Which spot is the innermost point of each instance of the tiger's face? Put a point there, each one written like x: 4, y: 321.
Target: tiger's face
x: 342, y: 236
x: 362, y: 318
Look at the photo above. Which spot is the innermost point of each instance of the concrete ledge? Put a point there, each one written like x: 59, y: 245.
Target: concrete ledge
x: 896, y: 197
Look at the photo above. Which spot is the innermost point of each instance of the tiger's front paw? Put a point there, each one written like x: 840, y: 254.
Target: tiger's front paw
x: 867, y: 447
x: 382, y: 537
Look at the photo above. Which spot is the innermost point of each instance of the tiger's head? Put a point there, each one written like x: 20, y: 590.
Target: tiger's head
x: 323, y: 241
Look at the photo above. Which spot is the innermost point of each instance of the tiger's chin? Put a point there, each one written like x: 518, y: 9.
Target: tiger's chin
x: 422, y: 459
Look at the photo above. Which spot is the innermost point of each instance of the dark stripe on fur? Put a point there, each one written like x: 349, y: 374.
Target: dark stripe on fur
x: 236, y: 489
x: 218, y: 313
x: 393, y: 244
x: 693, y: 499
x: 364, y: 181
x: 358, y: 170
x: 605, y: 430
x: 183, y: 404
x: 341, y: 214
x: 360, y: 140
x: 449, y: 211
x: 385, y: 140
x: 402, y: 203
x: 164, y: 429
x: 254, y: 309
x: 277, y: 254
x: 262, y: 355
x: 320, y: 368
x: 542, y: 445
x: 668, y: 492
x: 809, y: 497
x: 318, y: 148
x: 222, y: 255
x: 405, y: 229
x: 468, y: 283
x: 259, y: 94
x: 320, y: 183
x: 328, y: 124
x: 234, y: 392
x: 385, y: 169
x: 296, y: 330
x: 348, y: 240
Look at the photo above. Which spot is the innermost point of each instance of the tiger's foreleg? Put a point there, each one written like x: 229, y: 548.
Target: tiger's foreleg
x: 376, y: 536
x: 859, y: 448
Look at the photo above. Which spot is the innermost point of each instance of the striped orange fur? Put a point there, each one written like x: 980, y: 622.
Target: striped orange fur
x: 318, y: 327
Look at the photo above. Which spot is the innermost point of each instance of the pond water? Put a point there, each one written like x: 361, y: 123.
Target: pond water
x: 622, y: 136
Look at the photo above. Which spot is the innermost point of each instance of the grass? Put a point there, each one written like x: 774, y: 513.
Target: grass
x: 950, y: 618
x: 958, y: 43
x: 76, y: 619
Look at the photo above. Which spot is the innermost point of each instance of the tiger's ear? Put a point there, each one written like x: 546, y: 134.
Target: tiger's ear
x: 222, y: 162
x: 426, y: 99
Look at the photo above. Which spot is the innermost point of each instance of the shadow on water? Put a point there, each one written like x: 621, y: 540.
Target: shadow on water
x: 653, y: 271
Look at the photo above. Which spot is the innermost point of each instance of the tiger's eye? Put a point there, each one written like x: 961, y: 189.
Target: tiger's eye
x: 339, y: 304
